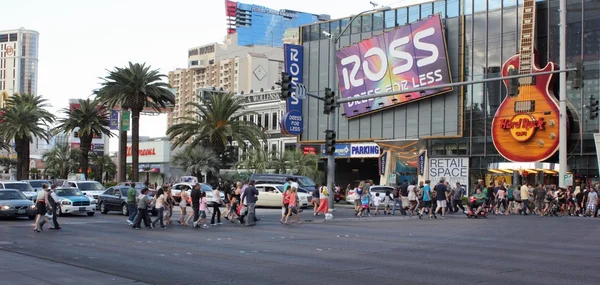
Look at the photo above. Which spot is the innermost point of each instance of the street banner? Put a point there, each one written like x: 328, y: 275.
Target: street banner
x: 125, y: 120
x: 382, y: 163
x: 292, y: 122
x: 407, y: 57
x: 421, y: 163
x: 114, y: 120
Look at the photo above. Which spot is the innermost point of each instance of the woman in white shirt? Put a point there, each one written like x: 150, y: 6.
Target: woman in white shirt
x: 216, y: 203
x: 159, y: 204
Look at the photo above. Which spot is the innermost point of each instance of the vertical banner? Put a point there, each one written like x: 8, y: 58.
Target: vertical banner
x: 382, y: 163
x: 421, y: 163
x: 292, y: 120
x: 125, y: 120
x: 114, y: 120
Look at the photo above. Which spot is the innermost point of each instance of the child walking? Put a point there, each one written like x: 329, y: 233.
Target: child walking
x: 377, y: 202
x: 202, y: 213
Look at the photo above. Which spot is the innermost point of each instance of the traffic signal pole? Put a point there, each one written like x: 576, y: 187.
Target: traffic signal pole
x: 331, y: 124
x: 562, y: 121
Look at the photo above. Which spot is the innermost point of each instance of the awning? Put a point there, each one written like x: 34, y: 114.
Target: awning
x: 530, y: 167
x: 406, y: 151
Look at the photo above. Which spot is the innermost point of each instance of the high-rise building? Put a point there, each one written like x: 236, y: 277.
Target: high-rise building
x: 258, y: 25
x: 228, y: 67
x: 18, y: 62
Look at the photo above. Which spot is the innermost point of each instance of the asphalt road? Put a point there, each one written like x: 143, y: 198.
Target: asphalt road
x: 377, y: 250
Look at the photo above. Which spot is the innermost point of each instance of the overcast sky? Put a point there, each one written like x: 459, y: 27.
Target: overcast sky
x: 79, y: 40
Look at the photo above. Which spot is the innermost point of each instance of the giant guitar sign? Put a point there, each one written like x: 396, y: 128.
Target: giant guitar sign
x: 525, y: 127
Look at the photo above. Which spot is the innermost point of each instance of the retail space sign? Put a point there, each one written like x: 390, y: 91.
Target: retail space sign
x: 365, y: 150
x: 407, y: 57
x: 292, y: 122
x: 341, y: 150
x: 452, y: 169
x: 382, y: 163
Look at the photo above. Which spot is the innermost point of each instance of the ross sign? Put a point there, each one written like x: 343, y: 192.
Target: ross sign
x: 125, y: 120
x: 421, y: 163
x: 382, y: 163
x: 301, y: 91
x: 292, y: 119
x: 404, y: 58
x: 365, y: 150
x: 568, y: 180
x: 453, y: 169
x: 114, y: 120
x: 341, y: 150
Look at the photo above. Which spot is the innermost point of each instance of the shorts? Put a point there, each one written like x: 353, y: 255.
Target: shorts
x: 316, y: 201
x: 203, y: 214
x: 405, y: 201
x: 539, y: 204
x: 40, y: 208
x: 364, y: 206
x: 441, y: 203
x: 591, y: 207
x: 427, y: 204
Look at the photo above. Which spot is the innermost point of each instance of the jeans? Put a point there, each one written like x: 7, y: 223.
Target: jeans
x: 159, y: 218
x: 142, y: 214
x: 132, y: 208
x: 250, y: 221
x: 458, y: 203
x: 196, y: 209
x: 525, y: 206
x: 216, y: 212
x: 397, y: 201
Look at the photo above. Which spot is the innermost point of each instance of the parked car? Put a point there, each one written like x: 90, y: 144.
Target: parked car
x: 37, y: 184
x: 91, y: 189
x: 305, y: 183
x: 115, y: 199
x: 271, y: 195
x: 381, y: 189
x: 13, y: 203
x: 136, y: 185
x: 176, y: 190
x: 22, y: 186
x: 73, y: 201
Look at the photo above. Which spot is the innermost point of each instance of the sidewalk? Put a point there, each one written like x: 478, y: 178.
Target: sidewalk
x: 23, y: 269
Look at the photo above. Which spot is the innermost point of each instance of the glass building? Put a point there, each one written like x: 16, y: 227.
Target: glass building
x: 258, y: 25
x: 18, y: 62
x: 480, y: 36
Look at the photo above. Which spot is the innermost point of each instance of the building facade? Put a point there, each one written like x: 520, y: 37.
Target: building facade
x: 258, y: 25
x: 451, y: 134
x: 18, y: 62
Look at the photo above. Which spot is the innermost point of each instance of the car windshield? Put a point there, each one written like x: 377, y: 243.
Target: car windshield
x: 68, y: 192
x: 205, y: 187
x: 124, y: 191
x: 306, y: 182
x: 380, y: 189
x: 38, y: 184
x: 19, y: 186
x: 280, y: 187
x: 90, y: 186
x: 12, y: 195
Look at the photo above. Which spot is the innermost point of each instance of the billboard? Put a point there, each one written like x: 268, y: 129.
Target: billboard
x: 407, y: 57
x: 452, y: 169
x: 292, y: 123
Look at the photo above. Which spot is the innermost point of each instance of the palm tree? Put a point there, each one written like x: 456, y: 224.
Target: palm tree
x: 302, y: 164
x: 215, y: 120
x: 134, y: 87
x: 89, y: 120
x: 278, y: 162
x: 57, y: 160
x: 257, y: 160
x: 75, y: 161
x: 196, y: 160
x: 24, y: 118
x: 103, y: 164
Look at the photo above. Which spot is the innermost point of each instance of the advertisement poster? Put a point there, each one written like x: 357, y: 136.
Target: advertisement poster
x: 452, y: 169
x: 292, y: 122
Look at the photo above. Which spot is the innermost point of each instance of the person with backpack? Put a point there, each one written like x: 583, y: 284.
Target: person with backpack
x: 427, y: 197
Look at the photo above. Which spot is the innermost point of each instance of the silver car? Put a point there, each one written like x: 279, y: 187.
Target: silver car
x: 14, y: 204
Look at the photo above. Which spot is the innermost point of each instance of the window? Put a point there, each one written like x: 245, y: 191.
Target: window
x: 378, y: 21
x: 413, y: 13
x: 3, y: 38
x: 439, y: 8
x: 324, y: 28
x: 259, y: 121
x: 266, y: 121
x: 426, y: 10
x: 274, y: 121
x: 367, y: 23
x: 390, y: 19
x: 401, y: 17
x: 452, y: 8
x: 194, y: 62
x: 13, y: 37
x: 355, y: 27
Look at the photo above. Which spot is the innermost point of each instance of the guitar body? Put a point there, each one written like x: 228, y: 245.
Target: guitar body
x: 525, y: 127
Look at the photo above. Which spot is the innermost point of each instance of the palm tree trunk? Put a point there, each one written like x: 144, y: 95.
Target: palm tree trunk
x: 25, y: 161
x: 135, y: 143
x: 123, y: 157
x: 86, y: 145
x: 20, y: 157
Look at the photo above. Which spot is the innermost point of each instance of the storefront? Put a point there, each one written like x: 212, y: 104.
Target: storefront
x: 467, y: 126
x: 155, y: 155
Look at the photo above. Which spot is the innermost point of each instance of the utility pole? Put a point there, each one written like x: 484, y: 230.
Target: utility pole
x: 562, y: 127
x: 331, y: 122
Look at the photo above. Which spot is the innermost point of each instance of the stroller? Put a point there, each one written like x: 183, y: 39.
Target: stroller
x: 485, y: 209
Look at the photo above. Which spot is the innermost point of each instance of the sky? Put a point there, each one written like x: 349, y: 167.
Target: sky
x: 81, y: 39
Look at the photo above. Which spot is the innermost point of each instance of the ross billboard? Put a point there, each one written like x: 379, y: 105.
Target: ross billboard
x: 292, y: 123
x: 407, y: 57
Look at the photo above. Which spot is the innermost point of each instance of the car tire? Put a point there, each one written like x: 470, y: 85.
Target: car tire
x: 103, y: 209
x: 31, y: 217
x: 59, y: 211
x: 91, y: 214
x: 125, y: 210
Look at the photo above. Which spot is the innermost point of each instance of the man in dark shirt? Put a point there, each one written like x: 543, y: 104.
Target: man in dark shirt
x: 404, y: 193
x: 196, y: 201
x: 440, y: 191
x: 490, y: 193
x: 251, y: 195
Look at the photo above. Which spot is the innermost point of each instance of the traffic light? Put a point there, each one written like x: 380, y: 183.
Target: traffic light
x: 329, y: 142
x: 513, y: 83
x: 578, y: 79
x: 593, y: 108
x: 286, y: 86
x: 330, y: 101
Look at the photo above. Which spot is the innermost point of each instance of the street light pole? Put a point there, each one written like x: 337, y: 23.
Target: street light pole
x: 562, y: 129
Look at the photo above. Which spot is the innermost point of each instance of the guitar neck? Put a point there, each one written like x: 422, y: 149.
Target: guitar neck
x: 527, y: 39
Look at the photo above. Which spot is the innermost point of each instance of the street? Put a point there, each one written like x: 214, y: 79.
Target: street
x: 376, y: 250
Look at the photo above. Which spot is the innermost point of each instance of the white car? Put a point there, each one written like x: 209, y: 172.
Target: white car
x: 22, y: 186
x: 73, y: 201
x: 271, y: 195
x: 176, y: 190
x: 381, y: 189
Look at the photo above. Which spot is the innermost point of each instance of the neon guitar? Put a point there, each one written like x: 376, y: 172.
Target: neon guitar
x: 525, y: 127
